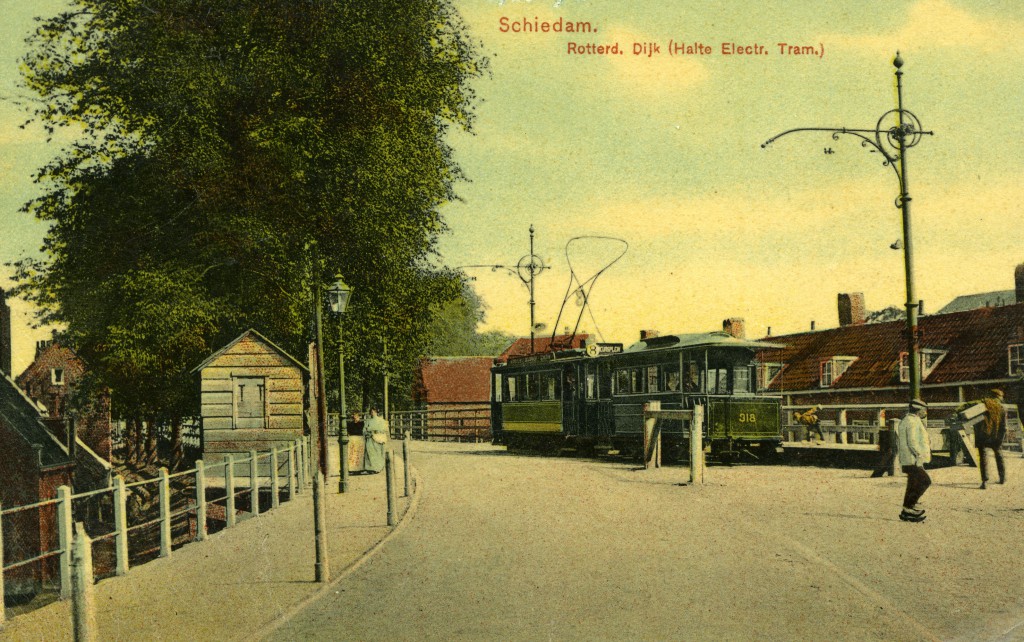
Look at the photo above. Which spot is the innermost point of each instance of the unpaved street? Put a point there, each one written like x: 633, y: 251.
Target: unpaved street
x: 535, y: 548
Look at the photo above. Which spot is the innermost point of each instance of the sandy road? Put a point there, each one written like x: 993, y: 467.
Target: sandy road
x: 535, y: 548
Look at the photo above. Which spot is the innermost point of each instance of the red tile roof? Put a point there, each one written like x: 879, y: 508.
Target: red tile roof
x: 521, y: 346
x: 455, y: 380
x: 975, y: 342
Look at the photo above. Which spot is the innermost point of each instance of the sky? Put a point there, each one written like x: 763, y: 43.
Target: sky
x: 664, y: 152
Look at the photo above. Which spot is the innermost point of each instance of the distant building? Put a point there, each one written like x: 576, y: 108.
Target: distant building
x: 452, y: 383
x: 253, y: 397
x: 51, y: 380
x: 521, y: 346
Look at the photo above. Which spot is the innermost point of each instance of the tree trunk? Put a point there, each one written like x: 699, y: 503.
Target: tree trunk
x: 134, y: 446
x: 151, y: 441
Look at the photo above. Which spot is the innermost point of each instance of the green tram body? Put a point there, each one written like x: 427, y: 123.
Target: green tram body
x: 572, y: 399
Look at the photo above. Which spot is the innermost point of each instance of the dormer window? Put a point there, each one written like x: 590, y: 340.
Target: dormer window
x: 930, y: 358
x: 766, y: 373
x: 57, y: 376
x: 832, y: 369
x: 1015, y: 355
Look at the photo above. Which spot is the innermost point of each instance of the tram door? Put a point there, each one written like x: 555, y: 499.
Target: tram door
x: 570, y: 400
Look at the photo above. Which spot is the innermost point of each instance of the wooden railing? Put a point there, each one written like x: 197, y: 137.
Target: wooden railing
x: 456, y: 424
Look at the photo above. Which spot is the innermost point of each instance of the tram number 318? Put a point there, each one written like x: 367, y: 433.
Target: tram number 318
x: 747, y: 418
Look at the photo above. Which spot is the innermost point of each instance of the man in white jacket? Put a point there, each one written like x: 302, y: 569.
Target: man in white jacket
x: 915, y: 451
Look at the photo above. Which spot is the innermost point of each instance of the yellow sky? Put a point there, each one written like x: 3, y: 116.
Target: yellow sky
x: 665, y: 153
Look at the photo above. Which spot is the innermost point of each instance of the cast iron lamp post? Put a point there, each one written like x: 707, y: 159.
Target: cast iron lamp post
x: 338, y: 296
x: 892, y: 143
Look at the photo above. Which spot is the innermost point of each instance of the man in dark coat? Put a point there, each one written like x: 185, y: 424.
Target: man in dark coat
x: 990, y: 435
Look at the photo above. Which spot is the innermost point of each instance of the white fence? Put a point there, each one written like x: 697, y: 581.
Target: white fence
x: 140, y: 520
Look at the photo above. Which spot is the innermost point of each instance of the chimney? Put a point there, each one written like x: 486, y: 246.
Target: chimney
x: 851, y: 309
x: 1018, y: 279
x: 769, y: 331
x: 812, y: 325
x: 734, y: 326
x: 648, y: 334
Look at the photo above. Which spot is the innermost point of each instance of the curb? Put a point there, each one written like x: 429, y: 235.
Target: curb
x: 284, y: 618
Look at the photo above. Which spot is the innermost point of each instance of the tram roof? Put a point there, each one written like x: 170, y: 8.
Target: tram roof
x: 699, y: 340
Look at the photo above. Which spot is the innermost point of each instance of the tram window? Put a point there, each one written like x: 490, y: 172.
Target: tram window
x: 741, y: 379
x: 652, y: 378
x: 671, y: 378
x: 549, y: 388
x: 591, y: 386
x: 497, y: 387
x: 622, y: 382
x: 718, y: 381
x: 569, y: 384
x: 532, y: 386
x: 636, y: 380
x: 692, y: 380
x: 510, y: 388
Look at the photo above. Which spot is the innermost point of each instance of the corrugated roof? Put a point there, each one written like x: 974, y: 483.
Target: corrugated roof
x: 456, y: 379
x: 975, y: 342
x: 984, y: 300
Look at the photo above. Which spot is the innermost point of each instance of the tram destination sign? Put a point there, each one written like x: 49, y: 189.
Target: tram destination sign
x: 598, y: 349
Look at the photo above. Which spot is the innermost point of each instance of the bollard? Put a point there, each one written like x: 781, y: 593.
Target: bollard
x: 405, y: 461
x: 389, y: 469
x: 254, y: 483
x: 83, y: 613
x: 65, y: 524
x: 275, y: 486
x: 302, y: 464
x: 165, y: 514
x: 697, y: 446
x: 229, y: 488
x: 121, y: 525
x: 201, y: 530
x: 343, y: 482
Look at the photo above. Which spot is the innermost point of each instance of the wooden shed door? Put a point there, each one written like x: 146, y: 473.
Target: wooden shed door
x: 250, y: 397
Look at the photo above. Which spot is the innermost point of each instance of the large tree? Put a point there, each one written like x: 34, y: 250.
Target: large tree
x: 232, y: 156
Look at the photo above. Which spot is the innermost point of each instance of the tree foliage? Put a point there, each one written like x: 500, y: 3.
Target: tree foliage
x: 232, y: 156
x: 453, y: 329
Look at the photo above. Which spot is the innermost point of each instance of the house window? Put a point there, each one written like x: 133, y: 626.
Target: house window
x: 766, y: 373
x: 1015, y: 352
x: 57, y: 376
x: 833, y: 369
x: 929, y: 359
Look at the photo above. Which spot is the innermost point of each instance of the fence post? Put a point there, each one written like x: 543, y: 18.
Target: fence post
x: 254, y: 483
x: 275, y: 485
x: 301, y: 443
x: 201, y: 531
x: 64, y: 526
x: 405, y: 461
x: 697, y: 446
x: 2, y: 615
x: 121, y: 525
x: 389, y: 466
x: 83, y: 612
x: 291, y: 471
x: 229, y: 488
x: 165, y: 514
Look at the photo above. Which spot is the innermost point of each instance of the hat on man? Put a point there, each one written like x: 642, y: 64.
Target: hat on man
x: 997, y: 393
x: 918, y: 404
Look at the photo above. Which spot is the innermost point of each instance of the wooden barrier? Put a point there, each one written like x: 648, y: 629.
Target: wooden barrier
x: 83, y: 612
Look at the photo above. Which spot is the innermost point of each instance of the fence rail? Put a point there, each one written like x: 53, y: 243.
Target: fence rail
x: 135, y: 522
x: 458, y: 424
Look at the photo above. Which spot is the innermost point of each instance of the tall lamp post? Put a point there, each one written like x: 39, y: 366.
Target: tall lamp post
x: 322, y: 567
x: 892, y: 143
x: 338, y: 296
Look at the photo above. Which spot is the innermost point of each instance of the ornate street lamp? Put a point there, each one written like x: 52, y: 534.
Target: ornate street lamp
x: 892, y: 143
x: 338, y: 296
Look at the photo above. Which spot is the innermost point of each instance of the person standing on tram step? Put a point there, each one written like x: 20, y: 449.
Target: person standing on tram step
x: 375, y: 434
x: 915, y: 451
x: 990, y: 434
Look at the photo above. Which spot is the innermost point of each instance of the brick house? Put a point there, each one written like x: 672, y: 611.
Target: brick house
x: 521, y: 346
x: 452, y: 383
x: 963, y: 355
x: 51, y: 379
x: 33, y: 464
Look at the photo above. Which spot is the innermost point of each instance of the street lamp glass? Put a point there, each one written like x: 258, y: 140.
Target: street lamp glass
x: 338, y: 296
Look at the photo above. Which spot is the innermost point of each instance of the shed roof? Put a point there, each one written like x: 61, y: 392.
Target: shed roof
x: 257, y: 336
x: 456, y: 379
x: 23, y: 416
x: 974, y: 341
